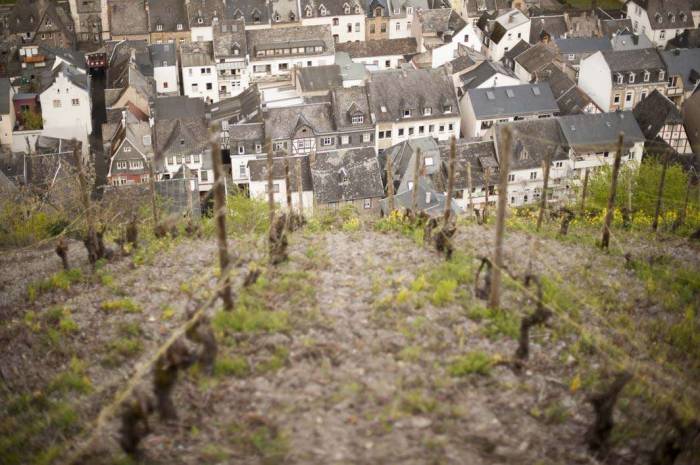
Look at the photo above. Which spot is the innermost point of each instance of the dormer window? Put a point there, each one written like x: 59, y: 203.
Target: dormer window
x: 659, y: 18
x: 409, y: 10
x: 357, y: 9
x: 646, y: 76
x: 672, y: 17
x: 358, y: 119
x: 342, y: 175
x: 407, y: 113
x: 378, y: 12
x: 276, y: 18
x: 683, y: 17
x: 200, y: 21
x: 236, y: 51
x: 620, y: 78
x: 292, y: 16
x: 346, y: 9
x: 427, y: 111
x: 241, y: 149
x: 159, y: 27
x: 447, y: 109
x: 179, y: 27
x: 323, y: 10
x: 631, y: 79
x: 308, y: 11
x: 662, y: 75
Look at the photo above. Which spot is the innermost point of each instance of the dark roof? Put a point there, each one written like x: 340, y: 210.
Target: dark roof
x: 128, y: 17
x: 554, y: 26
x: 248, y: 11
x: 536, y: 58
x: 72, y: 57
x: 282, y: 123
x: 319, y: 78
x: 655, y: 111
x: 349, y: 102
x: 599, y: 132
x: 230, y: 37
x: 441, y: 20
x: 519, y: 48
x: 381, y: 47
x: 479, y: 155
x: 668, y: 14
x: 685, y: 63
x: 333, y: 7
x: 202, y: 12
x: 532, y: 140
x: 163, y: 55
x: 521, y: 100
x: 264, y: 39
x: 496, y: 25
x: 346, y: 175
x: 403, y: 160
x: 690, y: 38
x: 196, y: 54
x: 477, y: 76
x: 5, y: 96
x: 78, y: 78
x: 637, y: 61
x: 608, y: 27
x: 570, y: 98
x: 25, y: 17
x: 477, y: 7
x: 258, y: 171
x: 393, y: 91
x: 168, y: 14
x: 180, y: 126
x: 575, y: 45
x: 244, y: 107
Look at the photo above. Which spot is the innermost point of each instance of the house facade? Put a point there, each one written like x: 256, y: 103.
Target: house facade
x: 230, y: 58
x: 500, y: 33
x: 199, y: 72
x: 658, y: 116
x: 130, y: 151
x: 380, y: 53
x: 167, y: 21
x: 345, y: 18
x: 660, y: 20
x: 377, y: 20
x: 258, y: 182
x: 166, y: 69
x: 246, y: 141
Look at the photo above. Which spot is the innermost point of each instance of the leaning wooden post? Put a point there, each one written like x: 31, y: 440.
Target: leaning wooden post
x: 300, y: 187
x: 545, y: 185
x: 416, y: 178
x: 220, y: 215
x: 585, y: 191
x: 288, y: 186
x: 660, y: 193
x: 495, y: 297
x: 390, y: 183
x: 450, y: 179
x: 605, y: 242
x: 484, y: 211
x: 83, y: 185
x: 270, y: 193
x: 469, y: 189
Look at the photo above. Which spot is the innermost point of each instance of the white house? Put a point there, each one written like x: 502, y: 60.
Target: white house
x: 166, y: 71
x: 7, y: 112
x: 274, y: 52
x: 345, y: 18
x: 66, y: 105
x: 230, y: 58
x: 486, y: 74
x: 412, y: 103
x: 617, y: 80
x: 246, y: 142
x: 203, y: 15
x: 500, y: 33
x: 660, y: 20
x: 199, y: 76
x: 258, y: 182
x: 403, y: 16
x: 441, y: 31
x: 379, y: 53
x: 482, y: 107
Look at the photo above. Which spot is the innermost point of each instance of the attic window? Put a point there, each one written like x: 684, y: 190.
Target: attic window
x: 277, y: 17
x: 179, y: 27
x: 682, y: 16
x: 308, y: 10
x: 346, y: 9
x: 159, y: 27
x: 659, y: 18
x: 490, y: 95
x: 631, y: 80
x: 428, y: 161
x: 182, y: 142
x: 672, y: 17
x: 357, y: 9
x: 509, y: 93
x: 536, y: 91
x: 646, y: 76
x: 323, y: 10
x: 447, y: 108
x: 383, y: 108
x: 147, y: 140
x: 358, y: 119
x: 407, y: 113
x: 200, y: 21
x: 620, y: 78
x: 342, y: 175
x: 662, y: 74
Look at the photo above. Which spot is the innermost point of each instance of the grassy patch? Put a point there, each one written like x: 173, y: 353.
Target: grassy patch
x: 397, y: 222
x: 123, y: 305
x: 72, y: 380
x: 476, y: 362
x: 276, y: 361
x: 416, y: 402
x: 236, y: 366
x: 259, y: 437
x: 61, y: 280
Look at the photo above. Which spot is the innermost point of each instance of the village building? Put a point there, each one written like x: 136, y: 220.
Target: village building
x: 199, y: 72
x: 440, y: 32
x: 345, y: 18
x: 660, y: 20
x: 258, y: 182
x: 230, y: 57
x: 166, y: 69
x: 658, y: 116
x: 167, y: 21
x: 377, y: 20
x: 683, y: 67
x: 481, y: 157
x: 128, y: 20
x: 380, y: 53
x: 502, y: 31
x: 7, y: 112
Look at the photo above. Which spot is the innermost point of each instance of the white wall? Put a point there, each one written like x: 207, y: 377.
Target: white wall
x: 341, y: 30
x: 509, y: 40
x: 62, y: 117
x: 202, y: 33
x: 641, y: 24
x: 234, y: 83
x: 167, y: 79
x: 258, y: 190
x: 193, y: 75
x: 595, y: 80
x: 436, y: 124
x: 467, y: 36
x: 380, y: 62
x: 278, y: 74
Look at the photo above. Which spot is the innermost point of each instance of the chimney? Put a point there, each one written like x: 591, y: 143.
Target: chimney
x: 123, y: 118
x: 132, y: 59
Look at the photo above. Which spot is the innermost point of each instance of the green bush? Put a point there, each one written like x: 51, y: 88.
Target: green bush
x: 471, y: 363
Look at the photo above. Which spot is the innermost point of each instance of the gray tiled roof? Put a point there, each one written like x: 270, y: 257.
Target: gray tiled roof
x: 608, y: 27
x: 476, y: 7
x: 281, y: 123
x: 73, y: 57
x: 258, y: 171
x: 319, y: 78
x: 531, y: 141
x: 333, y: 7
x: 78, y: 78
x: 196, y: 54
x: 668, y: 14
x: 379, y: 47
x: 630, y: 41
x: 576, y: 45
x: 262, y: 39
x: 636, y: 61
x: 521, y: 100
x: 403, y: 158
x: 477, y: 76
x: 570, y: 98
x: 393, y: 91
x: 163, y: 54
x: 654, y: 112
x: 204, y: 10
x: 168, y: 13
x: 4, y: 96
x: 555, y: 26
x: 229, y: 37
x: 519, y: 48
x: 180, y: 126
x: 683, y: 62
x: 536, y: 58
x: 128, y: 17
x: 599, y: 132
x: 248, y: 10
x: 479, y: 155
x: 245, y: 107
x: 348, y: 102
x: 441, y: 20
x: 346, y: 175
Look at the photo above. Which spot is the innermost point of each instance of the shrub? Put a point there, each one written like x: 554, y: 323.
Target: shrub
x: 471, y: 363
x: 231, y: 366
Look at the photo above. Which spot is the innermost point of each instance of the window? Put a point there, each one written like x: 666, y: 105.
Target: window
x: 572, y: 57
x: 628, y: 97
x: 409, y: 10
x: 127, y: 148
x: 357, y: 27
x: 188, y: 159
x: 616, y: 99
x: 662, y: 34
x: 57, y: 103
x: 179, y: 27
x: 258, y: 148
x: 450, y: 127
x: 121, y: 165
x: 326, y: 141
x: 421, y: 130
x: 195, y: 87
x: 381, y: 134
x: 427, y: 111
x: 431, y: 128
x: 382, y: 27
x: 336, y: 21
x: 171, y: 160
x: 620, y: 78
x: 371, y: 28
x: 662, y: 75
x: 406, y: 113
x: 209, y: 86
x: 165, y: 85
x: 398, y: 26
x: 241, y: 149
x: 388, y: 134
x: 344, y: 140
x: 533, y: 175
x: 511, y: 177
x: 428, y: 161
x: 159, y: 27
x: 241, y: 170
x: 559, y: 164
x: 204, y: 175
x: 646, y: 76
x: 196, y: 158
x: 400, y: 132
x: 275, y: 188
x: 358, y: 119
x: 136, y: 164
x: 631, y: 80
x: 368, y: 204
x: 387, y: 64
x: 283, y: 66
x: 366, y: 137
x: 442, y: 128
x: 410, y: 131
x: 643, y: 96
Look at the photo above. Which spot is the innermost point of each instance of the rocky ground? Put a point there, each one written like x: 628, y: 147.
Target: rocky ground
x: 364, y: 347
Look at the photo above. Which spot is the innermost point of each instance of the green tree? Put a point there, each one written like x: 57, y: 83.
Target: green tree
x: 32, y: 120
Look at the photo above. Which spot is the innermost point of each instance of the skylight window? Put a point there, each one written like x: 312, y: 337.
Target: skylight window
x: 490, y: 95
x: 536, y: 91
x: 510, y: 93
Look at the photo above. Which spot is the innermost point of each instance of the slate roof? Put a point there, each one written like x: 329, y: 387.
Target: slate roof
x: 196, y: 54
x: 683, y: 62
x: 519, y: 48
x: 346, y: 175
x: 319, y: 78
x: 599, y: 132
x: 180, y: 126
x: 229, y: 37
x: 263, y: 39
x: 128, y: 17
x: 655, y: 111
x: 668, y: 14
x: 690, y: 38
x: 477, y: 7
x: 441, y: 20
x: 348, y: 101
x: 531, y: 141
x: 204, y: 10
x: 477, y: 76
x: 630, y: 41
x: 496, y: 25
x: 555, y: 26
x: 282, y: 122
x: 570, y: 98
x: 244, y: 107
x: 608, y: 27
x: 163, y: 55
x: 381, y: 47
x: 168, y: 13
x: 73, y: 57
x: 120, y: 59
x: 25, y: 17
x: 333, y: 7
x: 78, y: 78
x: 258, y: 172
x: 393, y: 91
x: 282, y: 11
x: 636, y: 61
x: 403, y: 159
x: 433, y: 205
x: 536, y: 58
x: 479, y: 155
x: 521, y: 100
x: 247, y: 10
x: 577, y: 45
x: 5, y: 104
